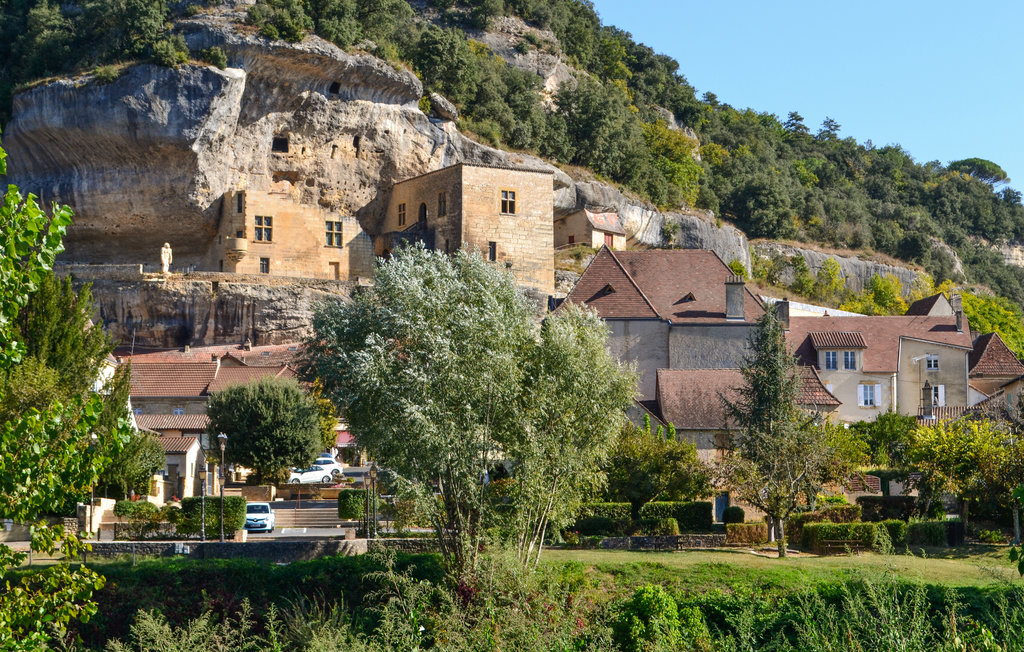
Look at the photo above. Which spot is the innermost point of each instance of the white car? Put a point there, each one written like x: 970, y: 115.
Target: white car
x: 315, y: 473
x: 259, y: 516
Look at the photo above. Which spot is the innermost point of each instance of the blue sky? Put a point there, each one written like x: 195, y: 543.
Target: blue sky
x: 942, y: 79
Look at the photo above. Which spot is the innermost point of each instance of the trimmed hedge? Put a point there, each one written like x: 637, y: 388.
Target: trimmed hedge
x: 884, y: 508
x: 692, y: 517
x: 926, y: 533
x: 601, y: 526
x: 659, y: 526
x: 733, y: 514
x: 190, y: 520
x: 613, y: 511
x: 751, y: 534
x: 351, y: 504
x: 815, y: 533
x: 897, y: 531
x: 831, y: 514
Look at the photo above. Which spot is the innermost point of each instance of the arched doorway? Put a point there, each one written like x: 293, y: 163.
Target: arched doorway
x: 423, y: 212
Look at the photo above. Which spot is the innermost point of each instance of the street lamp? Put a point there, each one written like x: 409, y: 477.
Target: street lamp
x: 202, y: 503
x: 93, y: 439
x: 223, y: 440
x: 373, y: 498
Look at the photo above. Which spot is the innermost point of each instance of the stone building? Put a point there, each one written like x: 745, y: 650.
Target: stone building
x: 271, y: 232
x: 591, y: 229
x: 504, y: 212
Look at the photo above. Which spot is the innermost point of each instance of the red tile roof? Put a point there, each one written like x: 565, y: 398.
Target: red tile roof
x: 991, y: 357
x: 813, y: 393
x: 184, y: 422
x: 177, y: 445
x: 679, y: 285
x: 181, y: 379
x: 273, y: 354
x: 882, y: 335
x: 837, y: 340
x: 228, y: 376
x: 607, y: 222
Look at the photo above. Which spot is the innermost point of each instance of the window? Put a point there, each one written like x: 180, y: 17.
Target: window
x: 137, y: 411
x: 608, y: 240
x: 938, y: 395
x: 264, y: 232
x: 572, y: 239
x: 239, y: 206
x: 850, y: 360
x: 442, y: 203
x: 423, y: 212
x: 401, y: 215
x: 333, y: 233
x: 279, y: 144
x: 178, y: 410
x: 264, y: 265
x: 508, y: 202
x: 831, y: 360
x: 222, y: 265
x: 492, y: 251
x: 932, y: 363
x: 446, y: 247
x: 867, y: 395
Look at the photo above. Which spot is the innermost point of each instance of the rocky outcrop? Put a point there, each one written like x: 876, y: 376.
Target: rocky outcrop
x: 507, y: 37
x: 443, y: 108
x: 858, y: 272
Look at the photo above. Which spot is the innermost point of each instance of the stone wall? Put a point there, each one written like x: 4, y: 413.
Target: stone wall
x: 277, y: 551
x: 671, y: 542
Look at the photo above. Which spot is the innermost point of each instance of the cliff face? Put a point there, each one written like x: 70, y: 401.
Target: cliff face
x: 857, y: 272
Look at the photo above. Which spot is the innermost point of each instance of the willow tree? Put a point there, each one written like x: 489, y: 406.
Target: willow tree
x: 445, y: 375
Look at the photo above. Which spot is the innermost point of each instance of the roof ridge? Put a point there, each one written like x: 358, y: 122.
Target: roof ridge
x: 631, y: 279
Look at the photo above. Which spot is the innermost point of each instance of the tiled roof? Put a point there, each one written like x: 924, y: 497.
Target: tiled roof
x: 177, y: 445
x: 991, y: 357
x: 837, y: 340
x: 228, y: 376
x: 691, y: 399
x: 272, y: 354
x: 866, y: 483
x: 679, y: 285
x: 944, y: 413
x: 607, y: 222
x: 881, y: 334
x: 923, y: 307
x: 182, y: 422
x: 170, y: 379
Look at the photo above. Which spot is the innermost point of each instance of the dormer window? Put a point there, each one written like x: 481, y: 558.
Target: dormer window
x: 608, y: 289
x: 831, y: 360
x: 850, y: 360
x: 688, y: 298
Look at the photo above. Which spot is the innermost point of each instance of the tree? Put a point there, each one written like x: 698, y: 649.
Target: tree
x: 829, y: 129
x: 830, y: 285
x: 271, y: 424
x: 888, y: 437
x: 447, y: 347
x: 779, y: 453
x: 981, y: 169
x: 47, y: 456
x: 644, y: 466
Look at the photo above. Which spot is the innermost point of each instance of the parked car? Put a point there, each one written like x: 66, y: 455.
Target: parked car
x: 328, y: 463
x: 315, y: 473
x: 259, y: 516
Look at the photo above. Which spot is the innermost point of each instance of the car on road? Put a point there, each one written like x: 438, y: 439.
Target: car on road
x: 315, y: 473
x: 259, y: 517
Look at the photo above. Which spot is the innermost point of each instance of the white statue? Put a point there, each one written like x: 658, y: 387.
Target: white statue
x: 165, y: 257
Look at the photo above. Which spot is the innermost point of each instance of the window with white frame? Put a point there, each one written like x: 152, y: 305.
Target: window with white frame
x: 867, y: 395
x: 831, y: 360
x: 938, y: 395
x: 850, y: 360
x: 932, y: 362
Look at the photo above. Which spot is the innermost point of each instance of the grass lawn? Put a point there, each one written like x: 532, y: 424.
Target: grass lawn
x: 739, y: 571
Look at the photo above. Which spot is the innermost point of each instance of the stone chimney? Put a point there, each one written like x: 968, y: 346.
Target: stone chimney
x: 734, y: 298
x: 958, y: 311
x: 782, y: 310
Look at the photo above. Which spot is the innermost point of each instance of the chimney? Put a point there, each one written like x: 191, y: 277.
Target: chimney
x: 958, y: 310
x: 188, y: 349
x: 782, y: 310
x: 734, y: 298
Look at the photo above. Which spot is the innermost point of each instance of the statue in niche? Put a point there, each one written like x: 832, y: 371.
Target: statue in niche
x: 166, y: 258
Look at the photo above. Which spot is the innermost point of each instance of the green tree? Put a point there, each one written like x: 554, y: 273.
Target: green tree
x: 448, y: 348
x: 982, y: 169
x: 644, y: 466
x: 271, y: 424
x: 830, y: 285
x: 882, y: 296
x: 988, y: 313
x: 888, y: 438
x: 447, y: 64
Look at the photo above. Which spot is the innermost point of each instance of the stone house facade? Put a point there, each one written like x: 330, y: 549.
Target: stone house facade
x: 591, y: 229
x: 505, y: 213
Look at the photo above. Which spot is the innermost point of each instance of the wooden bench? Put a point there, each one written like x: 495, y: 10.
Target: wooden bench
x: 840, y: 546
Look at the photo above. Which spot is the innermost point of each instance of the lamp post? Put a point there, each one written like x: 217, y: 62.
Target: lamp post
x: 223, y: 440
x: 373, y: 499
x: 93, y: 439
x: 202, y: 504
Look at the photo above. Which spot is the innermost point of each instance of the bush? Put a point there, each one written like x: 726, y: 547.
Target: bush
x: 926, y: 533
x: 351, y: 504
x: 214, y: 56
x: 170, y: 52
x: 614, y: 511
x: 884, y: 508
x: 602, y: 526
x: 106, y: 74
x: 648, y: 621
x: 830, y: 514
x: 746, y: 534
x: 733, y: 514
x: 815, y: 533
x: 190, y: 519
x: 659, y: 526
x: 692, y: 517
x: 897, y: 531
x: 991, y: 536
x: 143, y: 517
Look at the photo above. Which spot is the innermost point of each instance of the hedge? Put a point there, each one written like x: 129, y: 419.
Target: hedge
x: 897, y: 531
x: 601, y: 526
x: 613, y: 511
x: 750, y: 534
x: 692, y: 517
x: 814, y: 533
x: 143, y: 518
x: 659, y: 526
x: 926, y: 533
x: 351, y: 504
x: 734, y: 514
x: 884, y: 508
x: 832, y: 514
x: 189, y: 522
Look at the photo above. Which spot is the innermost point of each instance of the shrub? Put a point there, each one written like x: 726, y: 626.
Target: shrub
x: 815, y: 533
x: 106, y: 74
x: 991, y: 536
x: 926, y: 533
x: 601, y: 526
x: 351, y: 504
x: 214, y: 56
x: 733, y: 514
x: 143, y: 517
x: 692, y: 517
x: 170, y: 52
x: 897, y: 531
x: 746, y: 534
x: 883, y: 508
x: 190, y: 520
x: 659, y: 526
x: 830, y: 514
x: 614, y: 511
x: 648, y: 620
x: 694, y: 630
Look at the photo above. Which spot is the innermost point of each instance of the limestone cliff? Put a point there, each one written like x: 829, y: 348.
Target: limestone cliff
x: 858, y: 272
